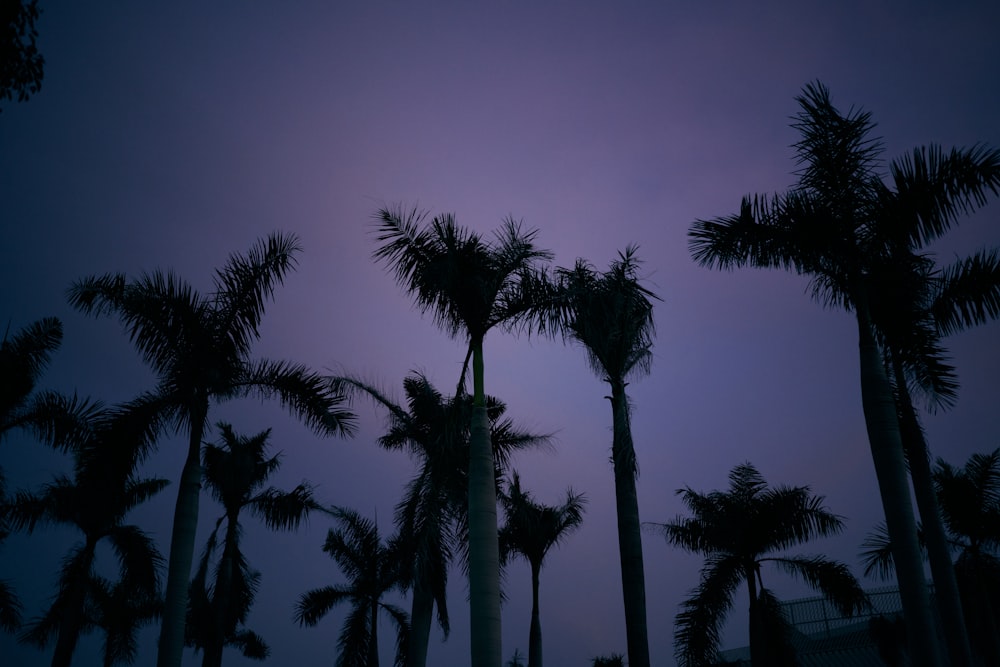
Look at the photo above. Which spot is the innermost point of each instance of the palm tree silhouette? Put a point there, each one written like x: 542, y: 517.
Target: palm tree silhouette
x: 235, y: 472
x: 199, y: 346
x: 372, y: 570
x: 737, y: 531
x: 471, y: 286
x: 53, y: 418
x: 10, y: 604
x: 838, y: 226
x: 433, y: 515
x: 917, y: 305
x: 96, y: 501
x: 120, y: 609
x: 970, y: 504
x: 611, y: 315
x: 530, y: 530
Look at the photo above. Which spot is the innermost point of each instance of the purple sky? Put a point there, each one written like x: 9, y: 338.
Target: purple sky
x: 172, y: 134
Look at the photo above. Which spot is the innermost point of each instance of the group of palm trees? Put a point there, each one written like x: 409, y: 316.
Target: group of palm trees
x: 861, y: 239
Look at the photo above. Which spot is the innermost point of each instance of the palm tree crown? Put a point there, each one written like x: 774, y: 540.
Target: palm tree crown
x: 846, y: 228
x: 372, y: 569
x: 95, y: 501
x: 470, y: 286
x: 737, y: 531
x: 235, y: 473
x: 611, y: 315
x: 199, y: 347
x: 530, y: 530
x: 432, y: 518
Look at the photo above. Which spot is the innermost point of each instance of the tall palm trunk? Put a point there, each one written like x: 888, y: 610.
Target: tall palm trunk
x: 757, y: 636
x: 373, y: 639
x: 949, y: 601
x: 629, y: 535
x: 222, y: 598
x: 535, y: 633
x: 421, y: 618
x: 484, y: 554
x: 890, y: 469
x: 171, y: 648
x: 72, y: 618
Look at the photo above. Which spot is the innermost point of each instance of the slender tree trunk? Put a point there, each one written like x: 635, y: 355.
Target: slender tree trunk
x: 756, y: 628
x: 373, y: 641
x: 72, y: 616
x: 890, y: 468
x: 171, y: 647
x: 484, y: 558
x: 629, y: 535
x: 535, y: 633
x: 222, y: 597
x: 421, y: 617
x: 949, y: 601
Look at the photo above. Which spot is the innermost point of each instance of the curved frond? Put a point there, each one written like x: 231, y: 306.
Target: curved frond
x: 303, y: 392
x: 313, y: 605
x: 284, y: 510
x: 161, y: 313
x: 401, y: 620
x: 56, y: 420
x: 968, y: 292
x: 834, y: 580
x: 139, y: 560
x: 10, y: 608
x: 698, y: 626
x: 876, y: 555
x: 251, y: 645
x: 935, y: 187
x: 247, y: 281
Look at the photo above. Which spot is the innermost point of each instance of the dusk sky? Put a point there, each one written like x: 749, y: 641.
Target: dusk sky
x: 171, y: 134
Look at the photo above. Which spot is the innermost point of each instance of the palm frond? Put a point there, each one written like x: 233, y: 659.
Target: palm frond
x: 161, y: 313
x: 401, y: 620
x: 251, y: 645
x: 10, y: 608
x: 935, y: 187
x: 313, y: 605
x: 354, y: 643
x: 59, y: 421
x: 247, y: 281
x: 876, y: 554
x: 968, y: 292
x: 698, y: 626
x: 834, y: 580
x: 284, y: 510
x: 303, y: 392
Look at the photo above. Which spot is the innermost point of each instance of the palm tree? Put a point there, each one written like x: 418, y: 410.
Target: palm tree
x: 55, y: 419
x: 120, y: 609
x: 10, y: 603
x: 530, y: 530
x: 611, y: 315
x: 839, y: 226
x: 970, y: 504
x: 471, y: 286
x: 235, y: 473
x: 917, y: 305
x: 737, y: 531
x: 96, y: 501
x: 372, y: 569
x: 23, y: 358
x: 199, y: 346
x: 433, y: 515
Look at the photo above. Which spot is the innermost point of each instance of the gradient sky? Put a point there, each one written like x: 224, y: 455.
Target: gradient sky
x: 170, y: 134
